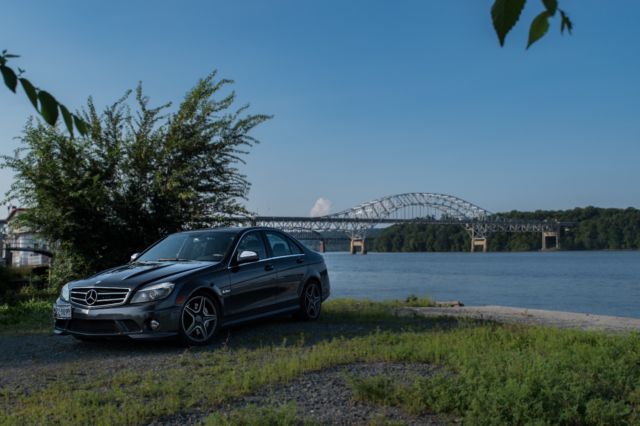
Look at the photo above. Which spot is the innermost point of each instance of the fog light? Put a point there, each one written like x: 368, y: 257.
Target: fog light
x: 155, y: 324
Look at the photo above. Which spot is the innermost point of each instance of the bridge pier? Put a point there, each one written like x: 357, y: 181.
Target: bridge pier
x: 478, y: 242
x: 358, y: 243
x: 550, y: 240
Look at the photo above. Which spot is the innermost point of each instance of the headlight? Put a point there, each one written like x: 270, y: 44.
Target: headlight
x: 153, y: 292
x: 64, y: 293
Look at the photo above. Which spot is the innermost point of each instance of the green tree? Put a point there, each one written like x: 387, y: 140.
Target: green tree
x: 594, y: 229
x: 135, y: 177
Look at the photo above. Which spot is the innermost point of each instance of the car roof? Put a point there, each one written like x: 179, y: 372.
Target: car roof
x: 230, y: 228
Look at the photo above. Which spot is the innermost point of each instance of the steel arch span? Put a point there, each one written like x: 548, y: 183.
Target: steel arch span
x: 414, y: 207
x: 447, y: 205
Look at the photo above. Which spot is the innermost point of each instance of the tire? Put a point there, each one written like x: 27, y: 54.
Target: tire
x: 310, y: 302
x: 199, y: 320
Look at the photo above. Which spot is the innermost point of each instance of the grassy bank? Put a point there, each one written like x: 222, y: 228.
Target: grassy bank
x: 31, y: 316
x: 487, y: 373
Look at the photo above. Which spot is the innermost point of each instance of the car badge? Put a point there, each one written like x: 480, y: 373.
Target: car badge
x: 91, y: 297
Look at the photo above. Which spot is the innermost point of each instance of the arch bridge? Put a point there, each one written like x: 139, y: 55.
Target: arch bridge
x: 414, y: 207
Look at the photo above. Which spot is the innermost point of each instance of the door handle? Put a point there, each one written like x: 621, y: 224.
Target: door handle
x: 268, y: 267
x: 300, y: 260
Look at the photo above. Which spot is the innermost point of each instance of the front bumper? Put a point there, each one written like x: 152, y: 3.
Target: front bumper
x: 132, y: 321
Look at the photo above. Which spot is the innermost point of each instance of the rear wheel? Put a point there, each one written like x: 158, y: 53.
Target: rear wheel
x: 310, y: 302
x: 200, y: 320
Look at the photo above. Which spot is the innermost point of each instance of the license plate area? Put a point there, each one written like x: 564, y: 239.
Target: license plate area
x: 62, y: 312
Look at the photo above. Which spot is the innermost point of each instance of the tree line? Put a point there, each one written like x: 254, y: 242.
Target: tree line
x: 595, y: 229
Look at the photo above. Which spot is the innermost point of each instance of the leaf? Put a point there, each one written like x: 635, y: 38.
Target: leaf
x: 80, y: 125
x: 10, y: 79
x: 68, y: 120
x: 30, y: 91
x: 48, y: 107
x: 505, y: 14
x: 539, y: 27
x: 551, y: 5
x: 565, y: 22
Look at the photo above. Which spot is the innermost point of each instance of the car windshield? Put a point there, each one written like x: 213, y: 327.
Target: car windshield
x: 190, y: 246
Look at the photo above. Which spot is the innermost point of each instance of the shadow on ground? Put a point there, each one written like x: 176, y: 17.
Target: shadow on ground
x: 48, y: 350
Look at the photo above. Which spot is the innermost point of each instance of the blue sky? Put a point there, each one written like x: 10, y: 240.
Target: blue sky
x: 369, y: 98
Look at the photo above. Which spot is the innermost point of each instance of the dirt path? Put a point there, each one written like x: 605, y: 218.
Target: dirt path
x: 325, y: 397
x: 524, y: 316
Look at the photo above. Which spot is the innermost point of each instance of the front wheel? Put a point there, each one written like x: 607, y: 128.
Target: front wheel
x: 200, y: 320
x: 310, y: 302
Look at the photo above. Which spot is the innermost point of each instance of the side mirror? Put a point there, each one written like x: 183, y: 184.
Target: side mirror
x: 134, y: 256
x: 247, y: 256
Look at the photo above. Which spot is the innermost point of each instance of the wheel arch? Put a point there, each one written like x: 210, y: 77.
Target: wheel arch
x: 210, y: 291
x: 312, y: 278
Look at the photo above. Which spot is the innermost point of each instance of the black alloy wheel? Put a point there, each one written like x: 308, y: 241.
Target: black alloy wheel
x: 311, y: 303
x: 200, y: 320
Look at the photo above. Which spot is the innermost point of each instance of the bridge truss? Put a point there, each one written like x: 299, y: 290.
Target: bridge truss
x: 414, y: 207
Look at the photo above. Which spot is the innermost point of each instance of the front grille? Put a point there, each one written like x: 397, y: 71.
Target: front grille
x: 93, y: 326
x: 103, y: 296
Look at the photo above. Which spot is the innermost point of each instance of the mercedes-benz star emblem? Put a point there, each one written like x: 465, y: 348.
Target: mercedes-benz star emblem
x: 91, y: 297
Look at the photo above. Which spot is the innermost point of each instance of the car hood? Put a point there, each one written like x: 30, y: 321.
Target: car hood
x: 135, y: 274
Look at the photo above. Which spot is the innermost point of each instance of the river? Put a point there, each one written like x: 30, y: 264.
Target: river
x: 596, y: 282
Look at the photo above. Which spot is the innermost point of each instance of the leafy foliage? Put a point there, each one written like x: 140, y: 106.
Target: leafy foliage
x: 135, y: 176
x: 422, y: 237
x: 27, y: 316
x: 505, y: 15
x: 596, y: 229
x: 48, y: 105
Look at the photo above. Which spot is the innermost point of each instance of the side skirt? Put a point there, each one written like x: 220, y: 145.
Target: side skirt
x: 235, y: 321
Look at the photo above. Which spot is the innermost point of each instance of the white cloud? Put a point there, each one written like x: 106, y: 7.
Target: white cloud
x: 321, y: 207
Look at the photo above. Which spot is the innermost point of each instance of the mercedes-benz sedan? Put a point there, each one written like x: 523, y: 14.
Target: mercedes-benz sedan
x: 191, y: 284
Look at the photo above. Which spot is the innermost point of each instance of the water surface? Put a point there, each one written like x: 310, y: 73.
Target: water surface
x: 597, y: 282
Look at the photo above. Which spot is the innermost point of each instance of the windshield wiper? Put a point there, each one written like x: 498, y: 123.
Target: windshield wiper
x: 174, y: 259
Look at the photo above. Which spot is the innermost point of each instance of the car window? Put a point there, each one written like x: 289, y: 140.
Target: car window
x: 253, y: 242
x: 279, y: 245
x: 295, y: 249
x: 208, y: 247
x: 201, y: 246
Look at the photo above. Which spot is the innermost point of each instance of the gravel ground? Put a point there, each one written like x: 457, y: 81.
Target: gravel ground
x: 325, y: 397
x: 30, y: 361
x: 525, y: 316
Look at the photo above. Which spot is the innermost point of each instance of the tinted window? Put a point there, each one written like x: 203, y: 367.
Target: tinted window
x: 204, y: 246
x: 253, y: 242
x: 295, y: 249
x: 279, y: 245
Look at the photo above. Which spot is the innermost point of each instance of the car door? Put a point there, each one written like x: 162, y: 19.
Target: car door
x: 289, y: 261
x: 252, y: 285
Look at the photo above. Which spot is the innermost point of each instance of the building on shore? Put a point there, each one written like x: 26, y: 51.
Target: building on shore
x: 21, y: 246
